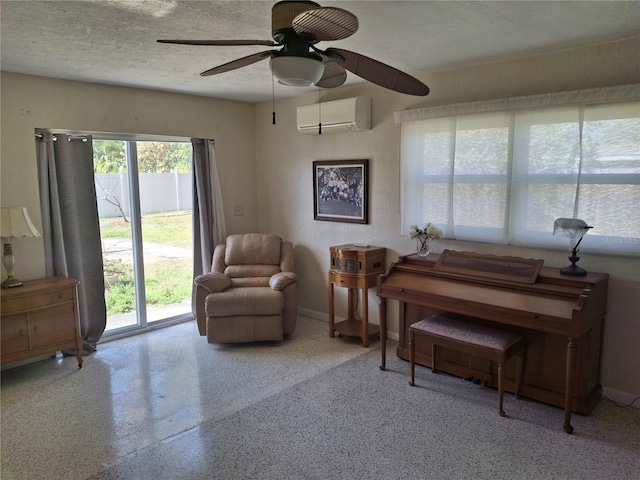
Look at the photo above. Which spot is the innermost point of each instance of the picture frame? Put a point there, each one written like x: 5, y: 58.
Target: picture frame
x: 341, y: 191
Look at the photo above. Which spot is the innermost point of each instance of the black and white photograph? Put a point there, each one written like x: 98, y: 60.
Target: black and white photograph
x: 340, y: 190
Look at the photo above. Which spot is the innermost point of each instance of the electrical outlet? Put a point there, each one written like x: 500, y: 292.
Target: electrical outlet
x: 238, y: 210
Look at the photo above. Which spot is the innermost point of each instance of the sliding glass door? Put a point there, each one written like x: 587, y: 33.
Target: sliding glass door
x: 144, y: 203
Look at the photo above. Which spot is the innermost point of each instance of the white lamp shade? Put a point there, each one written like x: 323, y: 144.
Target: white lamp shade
x: 296, y: 71
x: 570, y: 227
x: 15, y: 222
x: 573, y: 228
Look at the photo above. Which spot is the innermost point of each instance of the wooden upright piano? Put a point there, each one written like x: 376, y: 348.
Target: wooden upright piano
x: 560, y: 316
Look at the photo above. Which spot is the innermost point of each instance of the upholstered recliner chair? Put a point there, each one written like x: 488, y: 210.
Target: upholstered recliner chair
x: 250, y: 293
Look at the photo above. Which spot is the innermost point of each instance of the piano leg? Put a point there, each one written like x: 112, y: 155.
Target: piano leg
x: 331, y: 309
x: 383, y: 332
x: 501, y: 389
x: 572, y: 348
x: 412, y: 356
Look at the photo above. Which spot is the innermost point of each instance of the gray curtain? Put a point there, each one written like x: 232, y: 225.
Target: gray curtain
x: 70, y: 224
x: 209, y: 227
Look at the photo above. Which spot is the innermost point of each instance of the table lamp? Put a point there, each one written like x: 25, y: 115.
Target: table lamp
x: 14, y: 222
x: 575, y: 229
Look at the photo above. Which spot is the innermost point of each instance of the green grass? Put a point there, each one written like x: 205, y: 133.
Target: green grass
x: 166, y: 282
x: 169, y: 281
x: 168, y: 228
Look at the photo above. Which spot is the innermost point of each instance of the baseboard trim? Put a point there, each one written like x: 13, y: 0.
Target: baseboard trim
x: 306, y: 312
x: 621, y: 398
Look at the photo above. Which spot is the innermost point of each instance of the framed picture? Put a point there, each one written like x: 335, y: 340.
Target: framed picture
x: 340, y: 190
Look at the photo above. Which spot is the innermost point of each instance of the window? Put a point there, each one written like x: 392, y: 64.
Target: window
x: 505, y: 174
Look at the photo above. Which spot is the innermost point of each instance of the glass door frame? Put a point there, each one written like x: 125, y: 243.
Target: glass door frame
x: 134, y: 200
x: 133, y: 175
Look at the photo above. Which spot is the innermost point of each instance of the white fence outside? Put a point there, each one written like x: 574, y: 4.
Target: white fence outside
x: 159, y: 192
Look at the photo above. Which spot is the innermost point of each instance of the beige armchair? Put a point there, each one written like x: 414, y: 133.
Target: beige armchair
x: 250, y: 294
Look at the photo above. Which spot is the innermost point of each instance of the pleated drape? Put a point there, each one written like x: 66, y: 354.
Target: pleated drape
x: 209, y: 228
x: 71, y: 229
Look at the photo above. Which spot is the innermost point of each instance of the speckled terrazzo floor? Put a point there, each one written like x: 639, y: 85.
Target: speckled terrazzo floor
x: 166, y: 405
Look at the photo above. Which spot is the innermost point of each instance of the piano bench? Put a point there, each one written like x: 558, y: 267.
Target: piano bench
x: 493, y: 344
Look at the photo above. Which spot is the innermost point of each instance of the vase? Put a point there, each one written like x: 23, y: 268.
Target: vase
x: 424, y: 245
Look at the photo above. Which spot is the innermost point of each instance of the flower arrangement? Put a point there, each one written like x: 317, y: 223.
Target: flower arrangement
x: 429, y: 231
x: 426, y: 237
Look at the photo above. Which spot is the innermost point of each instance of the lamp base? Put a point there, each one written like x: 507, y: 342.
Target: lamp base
x: 11, y: 282
x: 573, y: 271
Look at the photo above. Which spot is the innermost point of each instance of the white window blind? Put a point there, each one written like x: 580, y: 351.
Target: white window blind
x: 503, y: 171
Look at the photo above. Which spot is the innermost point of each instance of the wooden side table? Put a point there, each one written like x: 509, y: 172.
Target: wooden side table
x: 355, y: 267
x: 39, y: 318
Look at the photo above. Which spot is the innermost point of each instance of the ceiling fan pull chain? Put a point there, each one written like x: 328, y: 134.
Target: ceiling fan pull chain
x: 273, y: 102
x: 319, y: 113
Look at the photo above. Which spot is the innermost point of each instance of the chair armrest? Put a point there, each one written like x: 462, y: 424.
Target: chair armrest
x: 281, y: 280
x: 213, y: 281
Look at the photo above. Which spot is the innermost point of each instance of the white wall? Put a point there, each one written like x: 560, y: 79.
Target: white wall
x: 34, y: 102
x: 285, y: 198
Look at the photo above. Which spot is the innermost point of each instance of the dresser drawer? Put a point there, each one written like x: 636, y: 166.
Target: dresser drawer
x: 14, y: 333
x: 347, y: 282
x: 52, y: 325
x: 25, y: 303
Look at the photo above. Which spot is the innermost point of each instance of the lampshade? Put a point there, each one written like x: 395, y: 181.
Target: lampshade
x: 15, y: 222
x: 297, y: 70
x: 573, y: 228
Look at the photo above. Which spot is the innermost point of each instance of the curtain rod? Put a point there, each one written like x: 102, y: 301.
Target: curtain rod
x: 127, y: 137
x: 71, y: 137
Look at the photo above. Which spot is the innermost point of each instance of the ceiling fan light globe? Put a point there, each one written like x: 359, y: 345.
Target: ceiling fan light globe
x: 296, y: 71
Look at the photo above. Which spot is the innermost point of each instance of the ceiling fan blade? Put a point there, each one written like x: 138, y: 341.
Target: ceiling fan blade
x: 334, y: 75
x: 380, y: 73
x: 326, y: 23
x: 238, y: 63
x: 266, y: 43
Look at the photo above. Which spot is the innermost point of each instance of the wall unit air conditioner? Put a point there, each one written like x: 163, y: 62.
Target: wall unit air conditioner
x: 339, y: 116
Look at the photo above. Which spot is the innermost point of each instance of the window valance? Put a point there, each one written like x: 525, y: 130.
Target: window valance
x: 576, y: 97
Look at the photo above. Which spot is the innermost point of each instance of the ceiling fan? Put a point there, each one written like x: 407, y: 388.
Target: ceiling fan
x: 296, y: 28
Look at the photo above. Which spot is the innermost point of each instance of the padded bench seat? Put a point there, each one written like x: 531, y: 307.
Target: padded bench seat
x: 486, y: 342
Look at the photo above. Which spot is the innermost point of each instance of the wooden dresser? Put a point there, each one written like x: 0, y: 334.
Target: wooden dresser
x: 40, y: 318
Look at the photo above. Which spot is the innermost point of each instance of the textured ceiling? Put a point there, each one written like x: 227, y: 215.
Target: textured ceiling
x: 114, y: 41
